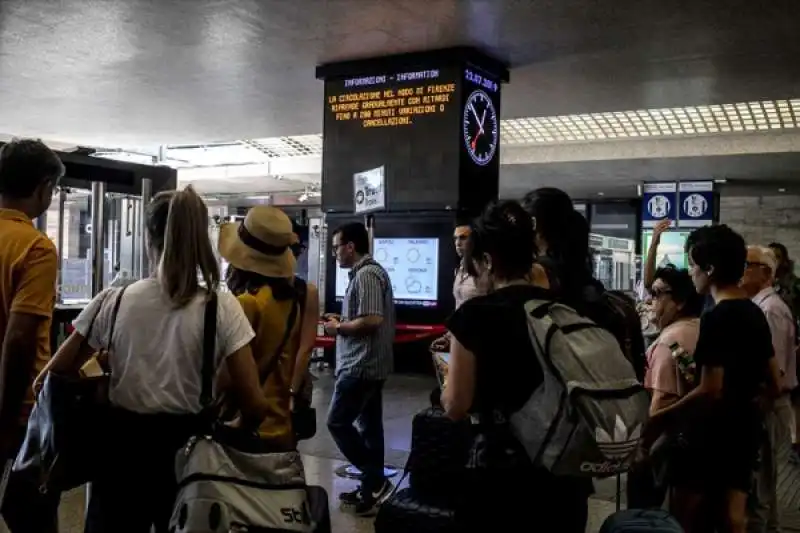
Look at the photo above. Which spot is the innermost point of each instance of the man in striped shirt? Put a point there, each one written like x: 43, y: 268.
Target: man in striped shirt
x: 364, y: 337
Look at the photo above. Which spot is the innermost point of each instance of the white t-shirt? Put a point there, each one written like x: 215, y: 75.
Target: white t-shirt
x: 157, y: 350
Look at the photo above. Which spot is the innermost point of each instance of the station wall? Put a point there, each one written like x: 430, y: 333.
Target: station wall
x: 764, y: 219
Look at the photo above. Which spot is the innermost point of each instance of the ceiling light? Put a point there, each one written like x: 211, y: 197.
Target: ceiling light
x: 720, y: 180
x: 601, y: 194
x: 259, y: 197
x: 781, y: 190
x: 740, y: 117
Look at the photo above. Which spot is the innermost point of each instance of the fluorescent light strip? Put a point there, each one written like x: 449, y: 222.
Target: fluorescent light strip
x: 755, y: 116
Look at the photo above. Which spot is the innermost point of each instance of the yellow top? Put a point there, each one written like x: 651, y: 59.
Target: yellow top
x: 269, y: 318
x: 28, y: 274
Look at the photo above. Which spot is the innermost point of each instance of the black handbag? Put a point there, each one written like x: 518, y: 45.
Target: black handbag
x: 437, y: 462
x: 304, y: 417
x: 67, y: 428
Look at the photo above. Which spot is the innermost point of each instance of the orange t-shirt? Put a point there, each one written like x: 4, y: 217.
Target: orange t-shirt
x: 28, y: 275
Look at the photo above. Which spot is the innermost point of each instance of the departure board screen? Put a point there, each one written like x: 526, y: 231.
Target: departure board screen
x: 374, y: 107
x: 408, y: 122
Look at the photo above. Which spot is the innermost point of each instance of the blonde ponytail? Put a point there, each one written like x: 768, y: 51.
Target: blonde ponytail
x: 187, y: 249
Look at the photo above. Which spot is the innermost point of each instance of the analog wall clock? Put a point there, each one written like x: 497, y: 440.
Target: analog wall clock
x: 481, y: 127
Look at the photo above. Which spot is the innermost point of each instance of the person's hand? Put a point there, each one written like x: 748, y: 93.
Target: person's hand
x: 331, y: 327
x: 660, y: 227
x: 327, y: 317
x: 442, y: 344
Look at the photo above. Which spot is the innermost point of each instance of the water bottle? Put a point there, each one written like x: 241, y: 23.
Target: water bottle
x: 685, y: 362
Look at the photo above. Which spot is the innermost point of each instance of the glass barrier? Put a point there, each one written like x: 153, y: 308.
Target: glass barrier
x: 69, y: 226
x: 614, y: 261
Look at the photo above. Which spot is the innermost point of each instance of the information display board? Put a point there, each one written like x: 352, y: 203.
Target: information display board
x: 431, y: 121
x: 412, y: 265
x: 391, y: 120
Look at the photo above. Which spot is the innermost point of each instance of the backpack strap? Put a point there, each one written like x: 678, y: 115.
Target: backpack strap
x: 114, y: 313
x: 209, y: 348
x: 276, y: 356
x: 301, y: 289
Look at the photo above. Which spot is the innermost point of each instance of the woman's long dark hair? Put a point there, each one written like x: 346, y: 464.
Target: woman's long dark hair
x: 566, y: 232
x: 504, y: 232
x: 242, y: 281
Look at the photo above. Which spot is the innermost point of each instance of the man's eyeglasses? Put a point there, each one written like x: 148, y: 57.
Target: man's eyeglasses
x: 749, y: 264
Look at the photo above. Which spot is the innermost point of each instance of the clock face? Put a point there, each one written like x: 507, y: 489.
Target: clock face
x: 480, y: 127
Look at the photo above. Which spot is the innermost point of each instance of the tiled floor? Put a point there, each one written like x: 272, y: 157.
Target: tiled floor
x: 404, y: 396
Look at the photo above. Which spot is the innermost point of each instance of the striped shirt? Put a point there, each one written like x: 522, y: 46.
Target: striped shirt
x: 781, y: 324
x: 369, y: 293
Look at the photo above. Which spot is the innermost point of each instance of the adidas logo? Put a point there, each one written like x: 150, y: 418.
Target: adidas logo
x: 622, y: 444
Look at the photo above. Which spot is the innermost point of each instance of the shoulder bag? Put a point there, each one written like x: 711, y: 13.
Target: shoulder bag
x: 304, y: 417
x: 67, y: 426
x: 232, y: 475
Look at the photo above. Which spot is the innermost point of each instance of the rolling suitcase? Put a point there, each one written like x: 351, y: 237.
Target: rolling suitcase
x: 439, y: 453
x: 404, y: 513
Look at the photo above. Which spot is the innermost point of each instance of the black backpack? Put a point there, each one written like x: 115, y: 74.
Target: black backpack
x: 623, y: 321
x: 612, y: 310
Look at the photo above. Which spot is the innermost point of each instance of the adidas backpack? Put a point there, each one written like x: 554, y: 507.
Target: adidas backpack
x: 587, y: 416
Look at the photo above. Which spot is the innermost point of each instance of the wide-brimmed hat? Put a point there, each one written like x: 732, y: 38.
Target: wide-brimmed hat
x: 261, y: 243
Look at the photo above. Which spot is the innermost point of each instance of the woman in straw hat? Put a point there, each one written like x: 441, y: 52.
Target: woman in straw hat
x: 261, y: 273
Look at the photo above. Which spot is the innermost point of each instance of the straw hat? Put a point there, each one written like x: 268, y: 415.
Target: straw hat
x: 261, y: 243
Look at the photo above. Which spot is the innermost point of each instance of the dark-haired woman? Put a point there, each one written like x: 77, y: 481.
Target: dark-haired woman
x: 493, y: 371
x: 156, y: 367
x: 564, y: 265
x: 561, y: 244
x: 735, y: 368
x: 261, y: 274
x: 676, y: 311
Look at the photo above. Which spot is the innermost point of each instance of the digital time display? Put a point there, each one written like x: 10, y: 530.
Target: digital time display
x: 481, y: 81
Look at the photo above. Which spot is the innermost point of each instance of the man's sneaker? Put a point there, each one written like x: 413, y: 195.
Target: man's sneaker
x: 352, y: 497
x: 370, y: 501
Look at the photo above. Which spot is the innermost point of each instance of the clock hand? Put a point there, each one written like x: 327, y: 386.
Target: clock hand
x: 474, y: 113
x: 482, y: 120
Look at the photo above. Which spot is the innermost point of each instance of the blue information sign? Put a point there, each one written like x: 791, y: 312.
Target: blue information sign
x: 659, y: 202
x: 696, y: 204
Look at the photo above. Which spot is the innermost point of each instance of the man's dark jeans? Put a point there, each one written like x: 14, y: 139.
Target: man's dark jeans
x: 359, y: 401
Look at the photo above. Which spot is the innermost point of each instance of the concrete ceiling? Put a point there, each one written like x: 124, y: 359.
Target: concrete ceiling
x: 143, y: 72
x: 744, y: 175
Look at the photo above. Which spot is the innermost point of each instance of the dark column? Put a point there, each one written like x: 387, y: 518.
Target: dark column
x: 431, y: 119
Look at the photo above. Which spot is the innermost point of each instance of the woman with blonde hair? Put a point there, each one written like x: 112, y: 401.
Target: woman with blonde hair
x: 155, y: 358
